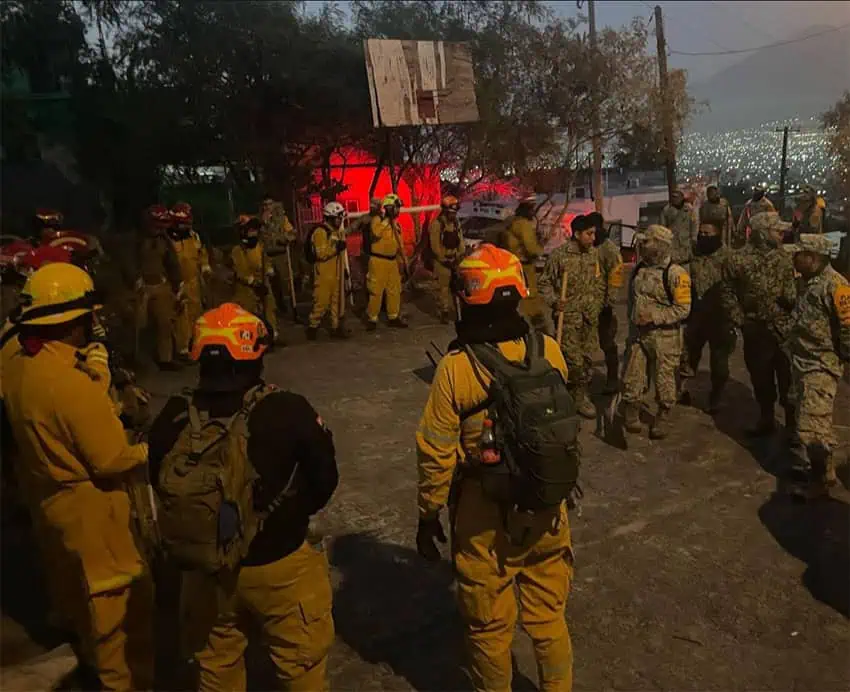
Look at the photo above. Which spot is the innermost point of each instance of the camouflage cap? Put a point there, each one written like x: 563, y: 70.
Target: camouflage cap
x: 814, y: 242
x: 660, y: 234
x: 768, y: 221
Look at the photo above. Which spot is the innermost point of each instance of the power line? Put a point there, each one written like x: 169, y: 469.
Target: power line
x: 687, y: 25
x: 769, y: 45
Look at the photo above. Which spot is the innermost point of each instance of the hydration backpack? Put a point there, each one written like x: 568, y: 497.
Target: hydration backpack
x: 309, y: 248
x: 207, y: 517
x: 535, y: 423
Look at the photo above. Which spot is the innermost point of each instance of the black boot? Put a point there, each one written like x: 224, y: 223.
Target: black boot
x: 312, y: 333
x: 371, y: 326
x: 340, y: 333
x: 766, y: 424
x: 397, y: 323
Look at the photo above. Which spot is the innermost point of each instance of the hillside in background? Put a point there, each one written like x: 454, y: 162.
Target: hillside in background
x: 799, y: 80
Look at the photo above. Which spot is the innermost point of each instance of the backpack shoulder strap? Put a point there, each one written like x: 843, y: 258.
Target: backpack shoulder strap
x: 665, y: 278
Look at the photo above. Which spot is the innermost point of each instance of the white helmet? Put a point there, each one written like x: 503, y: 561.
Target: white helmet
x: 334, y: 210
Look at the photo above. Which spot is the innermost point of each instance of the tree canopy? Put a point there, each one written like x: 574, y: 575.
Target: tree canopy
x: 271, y: 89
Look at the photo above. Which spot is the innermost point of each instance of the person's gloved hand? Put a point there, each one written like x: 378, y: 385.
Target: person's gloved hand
x: 340, y: 245
x: 429, y: 530
x: 96, y: 357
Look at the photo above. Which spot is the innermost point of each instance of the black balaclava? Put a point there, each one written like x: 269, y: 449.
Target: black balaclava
x: 708, y: 244
x: 491, y: 323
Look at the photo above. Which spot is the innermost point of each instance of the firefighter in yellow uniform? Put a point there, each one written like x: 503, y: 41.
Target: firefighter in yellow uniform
x: 488, y: 562
x: 447, y: 244
x: 194, y: 268
x: 158, y: 285
x: 252, y: 273
x: 328, y: 253
x: 384, y: 276
x: 520, y: 238
x: 75, y: 469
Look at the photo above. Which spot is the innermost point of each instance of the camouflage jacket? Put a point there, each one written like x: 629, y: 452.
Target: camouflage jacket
x: 707, y: 277
x: 684, y: 227
x: 742, y: 230
x: 584, y: 281
x: 652, y: 303
x: 759, y: 285
x: 611, y: 264
x: 277, y: 231
x: 820, y: 336
x: 719, y: 215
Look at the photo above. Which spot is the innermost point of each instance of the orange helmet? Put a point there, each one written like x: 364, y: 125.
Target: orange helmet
x: 159, y: 215
x: 490, y: 274
x: 181, y: 214
x: 232, y: 330
x: 49, y: 218
x: 450, y: 202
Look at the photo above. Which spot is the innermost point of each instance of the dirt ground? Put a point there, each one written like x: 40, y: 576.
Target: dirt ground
x: 692, y: 572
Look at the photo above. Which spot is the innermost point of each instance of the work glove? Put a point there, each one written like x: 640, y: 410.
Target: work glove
x: 340, y: 245
x: 96, y: 358
x: 206, y: 270
x: 428, y: 531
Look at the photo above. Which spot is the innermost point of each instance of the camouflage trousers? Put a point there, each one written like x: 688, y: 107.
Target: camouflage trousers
x: 578, y: 343
x: 652, y: 354
x: 706, y: 329
x: 767, y: 364
x: 813, y: 395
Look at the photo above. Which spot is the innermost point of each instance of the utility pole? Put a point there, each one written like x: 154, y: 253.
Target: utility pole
x: 666, y: 106
x: 598, y: 187
x: 783, y: 172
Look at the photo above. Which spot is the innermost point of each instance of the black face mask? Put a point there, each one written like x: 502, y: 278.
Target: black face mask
x: 708, y: 244
x: 758, y: 195
x: 250, y: 242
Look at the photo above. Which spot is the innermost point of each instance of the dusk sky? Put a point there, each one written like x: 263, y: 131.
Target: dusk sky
x: 699, y: 26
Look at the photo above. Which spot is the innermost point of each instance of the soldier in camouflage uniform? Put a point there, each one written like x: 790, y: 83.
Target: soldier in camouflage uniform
x: 717, y: 212
x: 758, y: 204
x: 818, y: 346
x: 279, y: 237
x: 659, y: 301
x: 709, y: 322
x: 678, y: 216
x: 759, y: 293
x: 579, y: 261
x: 611, y: 264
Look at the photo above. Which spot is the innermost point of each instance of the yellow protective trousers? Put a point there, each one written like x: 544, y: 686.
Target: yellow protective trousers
x: 189, y: 309
x: 444, y: 294
x: 489, y: 566
x: 247, y: 298
x: 158, y: 308
x: 288, y: 600
x: 384, y: 278
x: 326, y: 291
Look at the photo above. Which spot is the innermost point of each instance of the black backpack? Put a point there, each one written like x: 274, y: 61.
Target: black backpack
x: 309, y: 248
x: 535, y: 423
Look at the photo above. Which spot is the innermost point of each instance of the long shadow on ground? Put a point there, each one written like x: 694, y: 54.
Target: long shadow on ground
x: 818, y: 533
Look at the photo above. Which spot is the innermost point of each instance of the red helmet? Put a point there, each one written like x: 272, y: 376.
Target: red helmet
x: 159, y: 215
x: 46, y: 254
x: 181, y: 214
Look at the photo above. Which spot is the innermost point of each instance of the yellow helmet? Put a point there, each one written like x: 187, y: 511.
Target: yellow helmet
x: 391, y: 201
x: 56, y: 293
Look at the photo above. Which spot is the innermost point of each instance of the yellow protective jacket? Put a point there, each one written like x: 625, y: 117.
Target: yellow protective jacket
x: 324, y: 243
x: 520, y: 238
x: 158, y: 262
x: 444, y: 255
x: 443, y: 441
x: 74, y: 466
x: 386, y: 238
x: 250, y: 265
x: 192, y: 257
